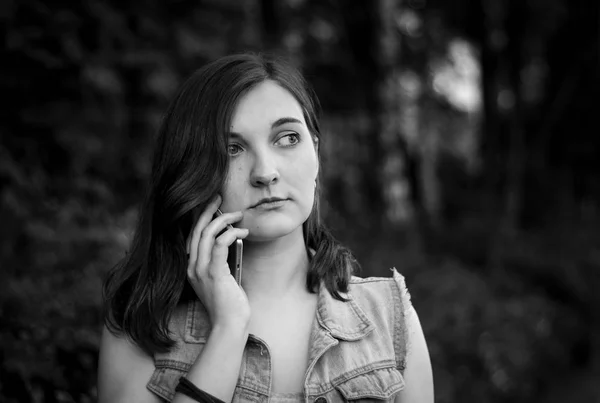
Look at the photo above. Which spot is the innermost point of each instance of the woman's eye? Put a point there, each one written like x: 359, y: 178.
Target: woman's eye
x: 288, y: 140
x: 233, y: 149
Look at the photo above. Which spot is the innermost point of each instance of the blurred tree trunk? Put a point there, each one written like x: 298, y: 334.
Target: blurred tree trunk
x: 432, y: 125
x: 389, y: 149
x: 250, y: 37
x: 491, y: 36
x: 376, y: 48
x: 360, y: 29
x: 516, y: 153
x: 271, y: 27
x: 500, y: 150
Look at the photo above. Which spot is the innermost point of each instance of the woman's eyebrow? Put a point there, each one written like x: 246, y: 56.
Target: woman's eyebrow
x: 278, y: 122
x: 282, y: 121
x: 235, y: 136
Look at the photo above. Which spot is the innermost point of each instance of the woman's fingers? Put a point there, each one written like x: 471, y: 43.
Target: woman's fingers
x: 203, y: 239
x: 202, y: 222
x: 221, y: 246
x: 210, y: 233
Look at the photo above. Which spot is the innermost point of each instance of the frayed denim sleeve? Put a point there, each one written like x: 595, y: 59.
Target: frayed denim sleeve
x: 405, y: 312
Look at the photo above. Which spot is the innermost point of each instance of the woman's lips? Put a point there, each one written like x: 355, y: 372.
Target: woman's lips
x: 270, y: 205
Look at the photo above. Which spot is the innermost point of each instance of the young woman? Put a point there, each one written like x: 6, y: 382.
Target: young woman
x: 242, y: 136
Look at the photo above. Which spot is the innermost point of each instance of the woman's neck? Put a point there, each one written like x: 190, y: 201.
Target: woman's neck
x: 274, y: 269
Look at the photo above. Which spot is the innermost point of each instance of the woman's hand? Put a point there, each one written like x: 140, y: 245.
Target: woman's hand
x: 209, y: 273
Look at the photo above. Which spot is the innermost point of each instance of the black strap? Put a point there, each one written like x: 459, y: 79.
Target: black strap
x: 187, y: 388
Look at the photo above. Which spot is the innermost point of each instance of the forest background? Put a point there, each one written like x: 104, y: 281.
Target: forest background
x: 460, y: 146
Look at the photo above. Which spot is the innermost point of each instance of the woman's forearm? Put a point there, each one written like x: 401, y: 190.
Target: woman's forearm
x: 217, y: 367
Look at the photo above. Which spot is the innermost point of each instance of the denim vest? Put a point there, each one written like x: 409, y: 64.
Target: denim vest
x: 357, y: 348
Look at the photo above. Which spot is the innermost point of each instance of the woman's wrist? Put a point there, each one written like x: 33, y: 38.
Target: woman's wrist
x: 230, y: 333
x: 217, y: 367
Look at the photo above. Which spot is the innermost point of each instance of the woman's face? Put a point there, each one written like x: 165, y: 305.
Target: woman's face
x: 273, y: 164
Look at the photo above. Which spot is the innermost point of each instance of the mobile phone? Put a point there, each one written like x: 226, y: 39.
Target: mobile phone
x: 234, y: 256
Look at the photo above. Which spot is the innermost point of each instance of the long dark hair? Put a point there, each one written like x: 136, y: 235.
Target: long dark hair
x: 189, y: 168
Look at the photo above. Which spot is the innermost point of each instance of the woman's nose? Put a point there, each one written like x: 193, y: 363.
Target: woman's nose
x: 264, y: 172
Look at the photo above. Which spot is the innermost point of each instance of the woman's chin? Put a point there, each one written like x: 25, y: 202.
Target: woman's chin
x: 271, y: 233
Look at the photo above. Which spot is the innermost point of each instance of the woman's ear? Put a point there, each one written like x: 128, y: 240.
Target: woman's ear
x: 316, y: 145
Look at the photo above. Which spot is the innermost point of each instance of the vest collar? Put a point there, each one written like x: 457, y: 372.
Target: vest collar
x: 343, y: 320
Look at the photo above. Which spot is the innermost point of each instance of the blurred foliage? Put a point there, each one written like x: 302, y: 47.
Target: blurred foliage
x: 461, y: 133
